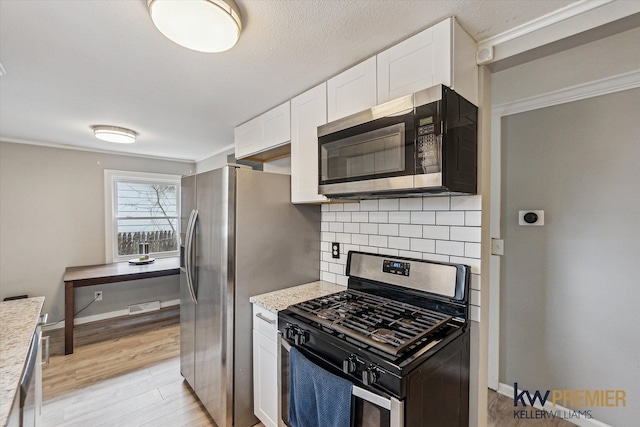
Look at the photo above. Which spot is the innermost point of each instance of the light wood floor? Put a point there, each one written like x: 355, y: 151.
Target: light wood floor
x: 125, y: 372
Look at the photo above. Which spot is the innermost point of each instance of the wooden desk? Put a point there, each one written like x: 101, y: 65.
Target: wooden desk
x: 89, y: 275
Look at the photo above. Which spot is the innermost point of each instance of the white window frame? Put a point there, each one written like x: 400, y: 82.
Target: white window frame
x: 110, y: 179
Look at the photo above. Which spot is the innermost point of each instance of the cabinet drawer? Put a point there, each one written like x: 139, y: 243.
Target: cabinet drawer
x: 265, y: 322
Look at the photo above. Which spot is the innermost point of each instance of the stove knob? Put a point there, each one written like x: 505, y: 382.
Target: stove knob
x: 300, y: 337
x: 370, y: 376
x: 349, y: 365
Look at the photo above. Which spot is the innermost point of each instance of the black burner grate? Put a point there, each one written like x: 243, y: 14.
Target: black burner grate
x: 386, y: 324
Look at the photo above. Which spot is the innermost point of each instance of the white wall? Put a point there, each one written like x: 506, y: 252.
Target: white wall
x: 52, y: 217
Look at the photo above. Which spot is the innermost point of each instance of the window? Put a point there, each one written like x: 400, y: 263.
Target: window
x: 141, y: 208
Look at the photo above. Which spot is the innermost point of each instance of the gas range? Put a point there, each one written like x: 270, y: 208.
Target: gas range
x: 395, y: 315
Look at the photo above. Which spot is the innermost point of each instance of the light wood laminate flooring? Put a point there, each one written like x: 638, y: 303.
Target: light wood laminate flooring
x: 125, y: 372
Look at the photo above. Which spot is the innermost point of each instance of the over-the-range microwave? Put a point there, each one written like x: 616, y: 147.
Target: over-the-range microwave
x: 421, y: 144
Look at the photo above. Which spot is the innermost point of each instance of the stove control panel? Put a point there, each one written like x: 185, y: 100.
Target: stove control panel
x: 396, y: 267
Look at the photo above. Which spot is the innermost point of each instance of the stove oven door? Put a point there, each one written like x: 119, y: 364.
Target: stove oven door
x: 368, y: 409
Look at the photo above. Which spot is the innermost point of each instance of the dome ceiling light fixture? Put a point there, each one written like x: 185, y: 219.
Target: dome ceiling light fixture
x: 201, y: 25
x: 114, y: 134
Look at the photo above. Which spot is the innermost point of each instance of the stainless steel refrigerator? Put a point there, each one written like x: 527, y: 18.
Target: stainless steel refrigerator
x: 240, y: 236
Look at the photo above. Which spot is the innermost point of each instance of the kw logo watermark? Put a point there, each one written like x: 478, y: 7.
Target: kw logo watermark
x: 565, y: 398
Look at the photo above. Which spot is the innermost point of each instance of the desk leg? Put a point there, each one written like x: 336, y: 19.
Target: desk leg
x: 68, y: 318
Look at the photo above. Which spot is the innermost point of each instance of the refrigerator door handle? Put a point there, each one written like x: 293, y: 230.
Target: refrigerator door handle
x: 189, y: 267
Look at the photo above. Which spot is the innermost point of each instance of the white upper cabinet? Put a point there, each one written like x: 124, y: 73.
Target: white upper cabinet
x: 443, y: 54
x: 260, y: 137
x: 352, y: 91
x: 308, y: 111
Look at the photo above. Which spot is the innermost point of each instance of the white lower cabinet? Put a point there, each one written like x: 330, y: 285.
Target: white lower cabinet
x: 265, y: 366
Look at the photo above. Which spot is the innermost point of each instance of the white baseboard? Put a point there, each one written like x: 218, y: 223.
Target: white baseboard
x: 507, y: 390
x: 104, y: 316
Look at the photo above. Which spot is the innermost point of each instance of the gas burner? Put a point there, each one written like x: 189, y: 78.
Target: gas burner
x: 327, y: 313
x: 385, y: 335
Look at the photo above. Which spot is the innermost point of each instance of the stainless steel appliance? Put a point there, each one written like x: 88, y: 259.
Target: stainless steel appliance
x: 423, y: 143
x: 398, y: 333
x: 242, y: 237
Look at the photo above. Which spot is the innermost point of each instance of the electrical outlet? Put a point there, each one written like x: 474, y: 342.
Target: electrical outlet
x: 335, y: 250
x: 97, y: 296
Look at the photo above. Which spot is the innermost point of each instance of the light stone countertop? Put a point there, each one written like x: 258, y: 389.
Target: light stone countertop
x: 279, y: 300
x: 18, y: 322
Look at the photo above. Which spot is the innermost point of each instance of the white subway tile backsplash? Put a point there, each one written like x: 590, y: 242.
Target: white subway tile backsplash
x: 466, y: 203
x: 449, y: 218
x: 475, y: 281
x: 411, y: 204
x: 465, y: 234
x: 351, y: 227
x: 440, y: 229
x: 328, y: 277
x: 400, y: 217
x: 343, y: 238
x: 388, y: 204
x: 423, y: 245
x: 360, y: 216
x: 399, y: 243
x: 472, y: 250
x: 388, y: 229
x: 473, y: 218
x: 410, y: 230
x: 435, y: 257
x: 369, y: 205
x: 336, y: 268
x: 379, y: 216
x: 447, y: 247
x: 388, y: 251
x: 360, y: 239
x: 410, y: 254
x: 336, y: 227
x: 439, y: 232
x: 435, y: 203
x: 421, y: 217
x: 474, y: 297
x: 343, y: 216
x: 474, y: 313
x: 379, y: 241
x: 328, y: 216
x: 328, y: 236
x: 369, y: 228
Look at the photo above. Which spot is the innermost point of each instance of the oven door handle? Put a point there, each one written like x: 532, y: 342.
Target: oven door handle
x: 392, y: 404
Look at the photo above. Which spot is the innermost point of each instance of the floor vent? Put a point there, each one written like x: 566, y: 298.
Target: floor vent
x: 144, y: 307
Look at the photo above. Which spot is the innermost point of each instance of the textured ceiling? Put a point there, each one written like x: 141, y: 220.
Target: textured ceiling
x: 71, y: 64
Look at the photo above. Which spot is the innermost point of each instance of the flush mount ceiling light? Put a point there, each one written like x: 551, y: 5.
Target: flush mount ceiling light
x: 202, y: 25
x: 114, y: 134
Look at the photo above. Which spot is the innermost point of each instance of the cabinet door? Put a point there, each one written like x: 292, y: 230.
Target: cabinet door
x: 265, y: 379
x: 352, y: 91
x: 268, y: 130
x: 419, y: 62
x: 308, y: 111
x: 276, y: 126
x: 248, y: 137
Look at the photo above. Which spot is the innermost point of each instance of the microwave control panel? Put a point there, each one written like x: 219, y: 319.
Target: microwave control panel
x: 428, y: 145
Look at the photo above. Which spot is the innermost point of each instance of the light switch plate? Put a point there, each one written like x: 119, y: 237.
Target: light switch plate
x: 497, y: 247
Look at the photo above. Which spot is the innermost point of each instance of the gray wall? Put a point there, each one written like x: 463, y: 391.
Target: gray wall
x: 52, y: 216
x: 569, y: 289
